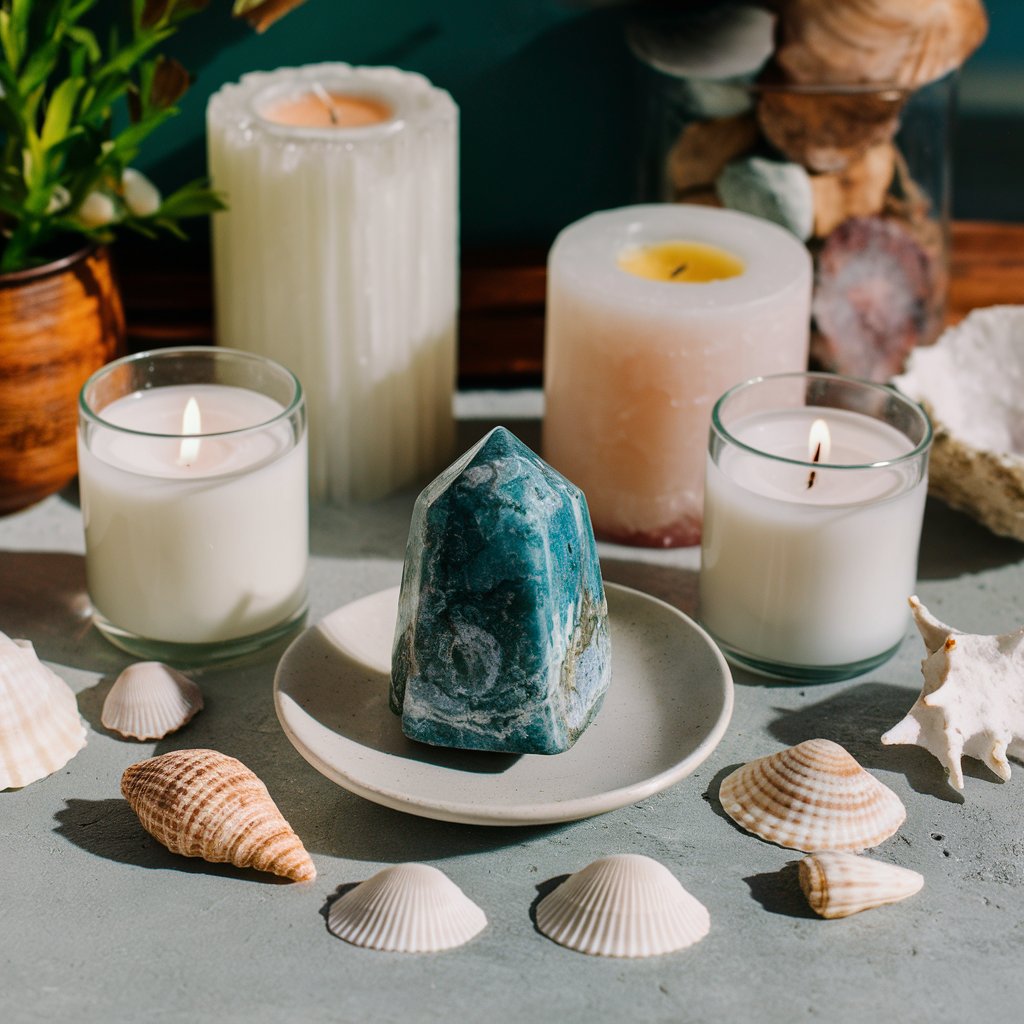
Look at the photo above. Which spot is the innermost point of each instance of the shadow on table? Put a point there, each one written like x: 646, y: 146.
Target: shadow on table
x: 953, y: 544
x: 110, y: 829
x: 856, y: 719
x: 779, y: 892
x: 674, y: 585
x: 43, y: 599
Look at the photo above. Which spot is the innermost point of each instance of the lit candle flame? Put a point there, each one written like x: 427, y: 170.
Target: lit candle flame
x: 191, y: 423
x: 819, y: 444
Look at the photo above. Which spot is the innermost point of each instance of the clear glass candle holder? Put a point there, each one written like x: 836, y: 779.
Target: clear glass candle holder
x: 193, y: 477
x: 813, y: 504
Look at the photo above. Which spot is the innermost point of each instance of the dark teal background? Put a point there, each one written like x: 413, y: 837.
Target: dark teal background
x: 548, y: 100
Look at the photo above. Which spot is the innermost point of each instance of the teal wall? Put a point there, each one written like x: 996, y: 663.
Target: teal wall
x: 547, y: 95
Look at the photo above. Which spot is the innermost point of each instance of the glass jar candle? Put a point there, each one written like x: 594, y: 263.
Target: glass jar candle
x: 193, y: 477
x: 813, y: 506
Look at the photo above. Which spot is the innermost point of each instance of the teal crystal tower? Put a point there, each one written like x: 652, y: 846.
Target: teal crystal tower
x: 502, y: 637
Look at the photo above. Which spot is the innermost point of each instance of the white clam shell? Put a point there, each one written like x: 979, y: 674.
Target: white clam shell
x: 40, y: 729
x: 407, y: 908
x: 812, y: 797
x: 627, y: 905
x: 150, y: 700
x: 972, y: 383
x: 841, y: 884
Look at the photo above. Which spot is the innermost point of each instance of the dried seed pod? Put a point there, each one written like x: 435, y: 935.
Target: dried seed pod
x: 201, y: 803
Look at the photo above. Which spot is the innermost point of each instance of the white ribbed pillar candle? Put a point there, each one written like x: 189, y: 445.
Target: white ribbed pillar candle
x: 338, y: 258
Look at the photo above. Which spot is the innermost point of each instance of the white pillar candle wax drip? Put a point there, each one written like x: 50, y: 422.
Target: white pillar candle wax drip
x: 653, y: 311
x: 194, y: 499
x: 811, y: 529
x: 337, y: 257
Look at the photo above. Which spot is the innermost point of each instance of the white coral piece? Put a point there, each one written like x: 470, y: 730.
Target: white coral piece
x: 972, y: 701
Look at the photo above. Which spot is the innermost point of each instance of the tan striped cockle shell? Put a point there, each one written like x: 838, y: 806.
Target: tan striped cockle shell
x: 40, y: 728
x: 841, y: 884
x: 201, y: 803
x: 812, y: 797
x: 626, y: 905
x: 406, y: 908
x: 149, y: 700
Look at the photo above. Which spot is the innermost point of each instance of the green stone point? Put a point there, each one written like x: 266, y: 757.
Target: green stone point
x: 502, y: 637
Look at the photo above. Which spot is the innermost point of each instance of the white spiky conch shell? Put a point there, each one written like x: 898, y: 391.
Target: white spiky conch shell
x: 202, y: 803
x: 626, y: 905
x: 149, y: 700
x: 40, y: 729
x: 972, y: 699
x: 812, y: 797
x: 841, y: 884
x: 406, y: 908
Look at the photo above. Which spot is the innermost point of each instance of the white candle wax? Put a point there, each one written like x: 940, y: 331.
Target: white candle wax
x: 194, y: 540
x: 633, y: 366
x: 810, y: 575
x: 337, y: 257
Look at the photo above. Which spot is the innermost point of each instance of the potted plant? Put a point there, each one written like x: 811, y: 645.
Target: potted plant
x: 74, y: 111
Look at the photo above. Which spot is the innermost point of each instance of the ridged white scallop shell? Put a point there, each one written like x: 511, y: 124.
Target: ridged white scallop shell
x: 841, y: 884
x: 812, y: 797
x: 150, y: 700
x: 407, y: 908
x: 40, y: 729
x: 627, y: 905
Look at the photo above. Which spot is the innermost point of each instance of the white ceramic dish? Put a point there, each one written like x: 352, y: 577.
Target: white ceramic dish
x: 667, y: 708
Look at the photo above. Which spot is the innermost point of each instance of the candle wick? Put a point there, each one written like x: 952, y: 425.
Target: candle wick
x: 679, y: 270
x: 327, y: 100
x: 816, y: 457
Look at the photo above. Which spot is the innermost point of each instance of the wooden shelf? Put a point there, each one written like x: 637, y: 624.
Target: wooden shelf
x: 501, y: 317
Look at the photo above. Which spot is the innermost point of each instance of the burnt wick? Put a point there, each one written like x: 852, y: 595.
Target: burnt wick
x: 681, y: 269
x: 816, y: 457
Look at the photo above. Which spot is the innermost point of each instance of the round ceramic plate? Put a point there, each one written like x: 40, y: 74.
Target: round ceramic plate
x: 668, y: 705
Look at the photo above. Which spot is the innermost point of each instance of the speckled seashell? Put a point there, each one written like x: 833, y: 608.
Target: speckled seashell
x: 201, y: 803
x: 40, y: 729
x: 149, y: 701
x: 812, y: 797
x: 625, y: 906
x: 407, y: 908
x: 841, y: 884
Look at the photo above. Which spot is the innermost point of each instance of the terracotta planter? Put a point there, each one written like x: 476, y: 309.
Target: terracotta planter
x: 58, y: 323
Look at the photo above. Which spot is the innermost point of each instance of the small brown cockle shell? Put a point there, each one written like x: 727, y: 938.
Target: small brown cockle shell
x: 812, y: 797
x: 201, y: 803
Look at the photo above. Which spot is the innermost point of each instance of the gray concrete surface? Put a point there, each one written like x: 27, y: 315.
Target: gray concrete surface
x: 100, y: 923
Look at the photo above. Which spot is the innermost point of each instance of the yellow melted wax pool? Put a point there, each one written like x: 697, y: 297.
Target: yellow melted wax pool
x: 683, y: 262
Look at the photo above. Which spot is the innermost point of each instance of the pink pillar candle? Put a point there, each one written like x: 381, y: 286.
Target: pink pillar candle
x: 634, y: 364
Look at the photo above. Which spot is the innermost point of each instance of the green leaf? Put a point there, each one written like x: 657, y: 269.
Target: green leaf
x: 88, y: 44
x: 59, y: 111
x: 9, y: 41
x: 195, y: 199
x: 40, y: 65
